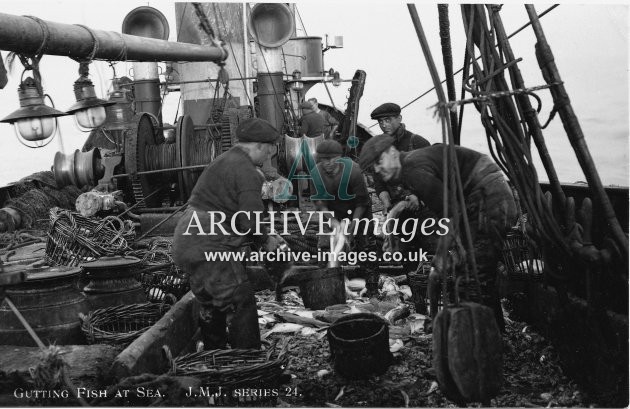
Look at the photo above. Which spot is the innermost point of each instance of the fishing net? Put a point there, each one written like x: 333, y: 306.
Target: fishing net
x: 36, y: 194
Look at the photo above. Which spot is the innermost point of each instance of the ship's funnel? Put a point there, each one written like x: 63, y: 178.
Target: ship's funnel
x: 145, y: 21
x: 78, y: 168
x: 271, y: 24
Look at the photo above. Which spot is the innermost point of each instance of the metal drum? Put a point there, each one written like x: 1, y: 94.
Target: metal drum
x: 50, y: 302
x: 305, y: 55
x: 113, y: 281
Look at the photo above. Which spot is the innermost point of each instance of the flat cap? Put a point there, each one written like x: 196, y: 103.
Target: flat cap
x: 385, y: 110
x: 306, y: 105
x: 256, y: 130
x: 371, y: 151
x: 329, y: 149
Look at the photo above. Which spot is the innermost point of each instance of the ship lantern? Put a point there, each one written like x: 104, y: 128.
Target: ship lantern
x: 89, y: 111
x: 35, y: 121
x: 296, y: 81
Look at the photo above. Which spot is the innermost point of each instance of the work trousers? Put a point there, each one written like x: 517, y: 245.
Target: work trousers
x: 236, y: 323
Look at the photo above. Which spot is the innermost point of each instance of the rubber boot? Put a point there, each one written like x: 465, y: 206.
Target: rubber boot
x: 243, y: 319
x: 212, y: 322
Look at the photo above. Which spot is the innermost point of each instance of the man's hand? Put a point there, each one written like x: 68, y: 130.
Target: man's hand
x: 414, y: 202
x: 386, y: 200
x: 275, y: 242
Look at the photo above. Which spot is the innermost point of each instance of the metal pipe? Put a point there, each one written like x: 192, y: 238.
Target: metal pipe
x: 27, y: 35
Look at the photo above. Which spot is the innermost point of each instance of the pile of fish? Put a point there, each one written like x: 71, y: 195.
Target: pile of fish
x: 288, y: 315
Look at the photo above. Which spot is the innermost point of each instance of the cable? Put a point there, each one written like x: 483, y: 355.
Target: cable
x: 240, y: 74
x: 461, y: 69
x: 301, y: 22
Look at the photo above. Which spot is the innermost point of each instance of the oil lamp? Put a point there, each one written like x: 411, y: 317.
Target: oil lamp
x: 89, y: 111
x: 35, y: 122
x: 296, y: 81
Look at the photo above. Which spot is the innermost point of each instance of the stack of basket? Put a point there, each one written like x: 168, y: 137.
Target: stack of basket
x: 74, y: 239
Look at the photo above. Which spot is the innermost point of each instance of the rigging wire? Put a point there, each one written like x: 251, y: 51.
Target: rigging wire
x: 238, y: 68
x: 300, y: 18
x: 524, y: 26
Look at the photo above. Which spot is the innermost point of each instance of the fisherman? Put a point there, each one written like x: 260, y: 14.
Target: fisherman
x: 312, y: 123
x: 390, y: 122
x: 489, y: 202
x: 231, y: 183
x: 342, y: 179
x: 330, y: 123
x: 349, y: 194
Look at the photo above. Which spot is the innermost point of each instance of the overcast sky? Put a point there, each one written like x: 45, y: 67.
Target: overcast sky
x: 590, y: 44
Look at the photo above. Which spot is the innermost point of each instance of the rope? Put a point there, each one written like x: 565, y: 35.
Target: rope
x: 238, y: 68
x: 524, y: 26
x: 447, y: 57
x: 501, y: 119
x: 95, y: 43
x: 46, y: 34
x: 487, y: 97
x: 123, y: 50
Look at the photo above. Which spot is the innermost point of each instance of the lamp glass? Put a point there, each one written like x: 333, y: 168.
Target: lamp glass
x: 297, y: 85
x: 35, y: 128
x: 91, y: 117
x: 336, y: 80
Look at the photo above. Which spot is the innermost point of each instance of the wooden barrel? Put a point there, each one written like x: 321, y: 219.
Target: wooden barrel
x: 50, y: 302
x: 113, y: 281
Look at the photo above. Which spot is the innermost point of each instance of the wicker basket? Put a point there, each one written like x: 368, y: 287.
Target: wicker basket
x: 74, y: 239
x: 231, y: 369
x: 523, y: 261
x: 121, y: 324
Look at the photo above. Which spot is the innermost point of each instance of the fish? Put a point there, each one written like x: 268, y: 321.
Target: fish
x: 395, y: 345
x: 283, y: 328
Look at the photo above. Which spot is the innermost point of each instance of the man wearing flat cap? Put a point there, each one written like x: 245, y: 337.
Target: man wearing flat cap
x: 312, y: 123
x: 489, y: 202
x: 230, y: 184
x: 350, y: 198
x: 342, y: 180
x: 390, y: 122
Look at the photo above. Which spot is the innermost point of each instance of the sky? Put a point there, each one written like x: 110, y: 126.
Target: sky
x: 590, y: 45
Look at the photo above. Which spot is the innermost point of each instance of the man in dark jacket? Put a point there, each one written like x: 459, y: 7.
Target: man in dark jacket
x: 230, y: 185
x: 390, y: 122
x: 312, y: 122
x: 342, y: 180
x: 330, y: 123
x: 488, y: 199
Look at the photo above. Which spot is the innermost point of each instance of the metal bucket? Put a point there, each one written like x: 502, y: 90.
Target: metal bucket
x: 50, y: 302
x: 359, y: 345
x: 305, y: 55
